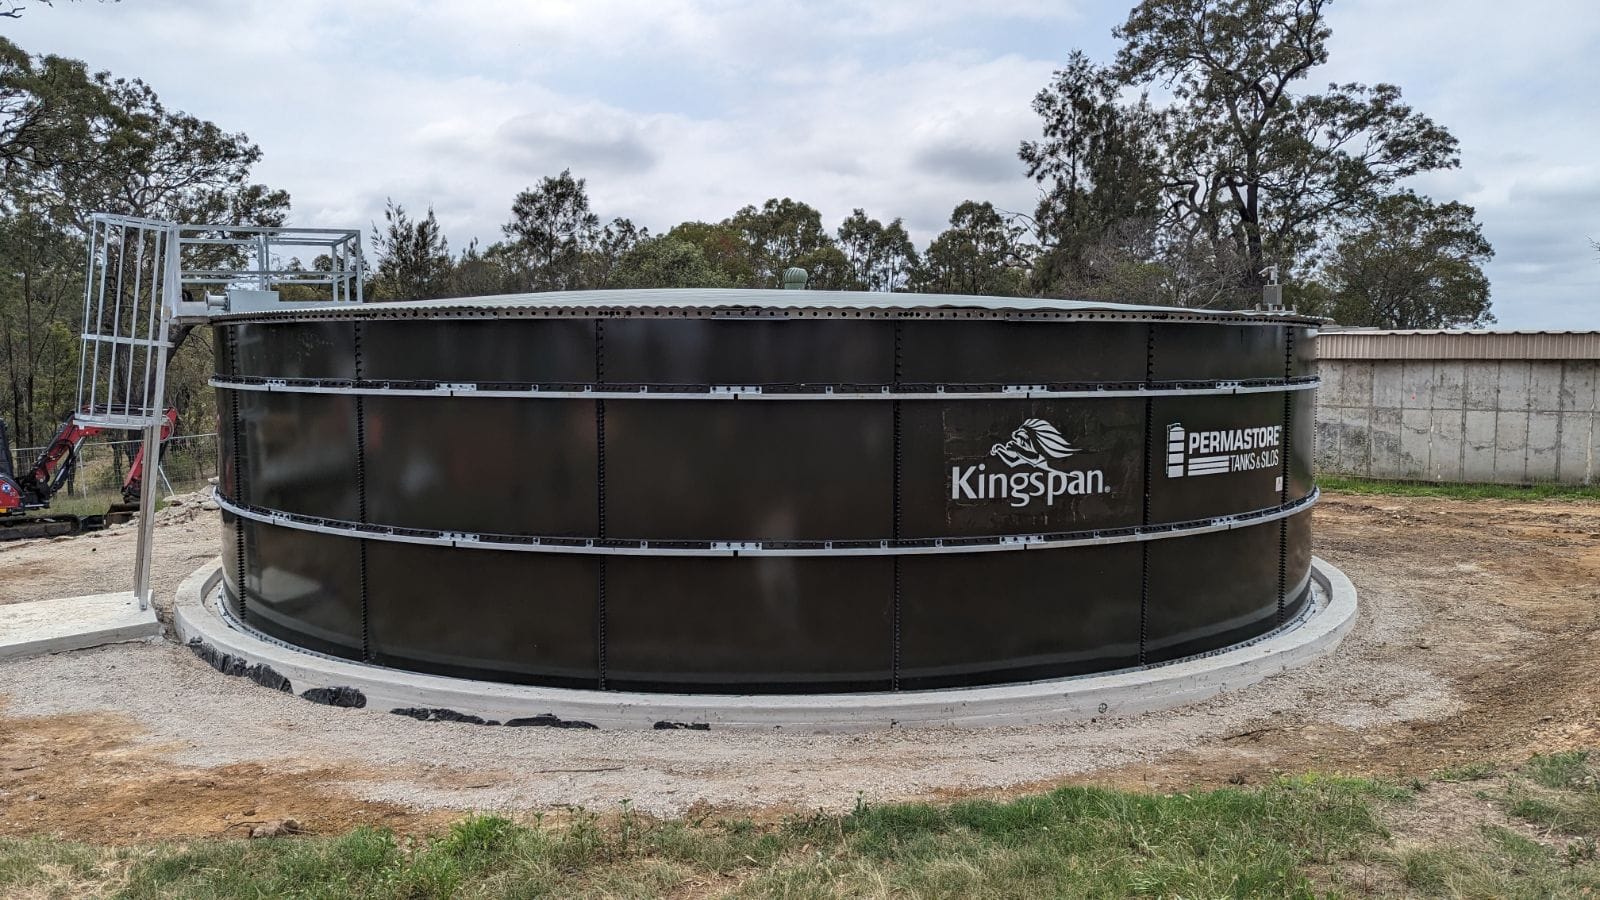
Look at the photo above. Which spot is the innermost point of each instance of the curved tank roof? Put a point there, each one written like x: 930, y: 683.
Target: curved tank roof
x: 635, y: 301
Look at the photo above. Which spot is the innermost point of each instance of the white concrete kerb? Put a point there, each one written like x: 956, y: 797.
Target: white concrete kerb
x: 201, y: 625
x: 37, y: 627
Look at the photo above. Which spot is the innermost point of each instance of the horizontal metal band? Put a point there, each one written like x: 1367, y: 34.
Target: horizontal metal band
x: 592, y: 391
x: 902, y: 547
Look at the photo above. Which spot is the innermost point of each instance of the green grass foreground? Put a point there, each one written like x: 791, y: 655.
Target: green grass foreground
x: 1347, y: 485
x: 1295, y: 837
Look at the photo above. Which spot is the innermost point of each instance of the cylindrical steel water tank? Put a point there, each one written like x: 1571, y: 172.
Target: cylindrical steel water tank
x: 764, y: 491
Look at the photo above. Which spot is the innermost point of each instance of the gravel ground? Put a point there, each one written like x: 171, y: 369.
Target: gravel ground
x: 1455, y: 625
x: 204, y: 719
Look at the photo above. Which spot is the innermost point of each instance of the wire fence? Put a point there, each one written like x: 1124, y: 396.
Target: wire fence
x: 188, y: 462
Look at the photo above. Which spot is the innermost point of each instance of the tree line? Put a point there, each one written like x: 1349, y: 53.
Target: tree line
x: 1242, y: 170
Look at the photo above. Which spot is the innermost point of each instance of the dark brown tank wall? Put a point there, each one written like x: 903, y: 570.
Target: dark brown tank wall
x: 532, y: 539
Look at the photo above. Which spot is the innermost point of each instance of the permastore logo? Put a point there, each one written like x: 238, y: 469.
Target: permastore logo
x: 1222, y: 450
x: 1038, y: 446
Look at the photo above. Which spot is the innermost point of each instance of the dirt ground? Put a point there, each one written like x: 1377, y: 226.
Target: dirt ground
x: 1478, y: 641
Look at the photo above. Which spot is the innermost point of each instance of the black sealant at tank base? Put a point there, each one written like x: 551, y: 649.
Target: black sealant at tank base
x: 435, y: 714
x: 228, y: 664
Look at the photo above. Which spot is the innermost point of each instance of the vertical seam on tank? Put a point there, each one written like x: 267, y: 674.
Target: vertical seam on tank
x: 361, y: 492
x: 1144, y: 520
x: 238, y: 474
x: 600, y: 501
x: 1286, y: 447
x: 898, y: 511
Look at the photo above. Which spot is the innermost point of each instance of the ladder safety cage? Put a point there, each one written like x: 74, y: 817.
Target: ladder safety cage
x: 125, y: 322
x: 144, y: 275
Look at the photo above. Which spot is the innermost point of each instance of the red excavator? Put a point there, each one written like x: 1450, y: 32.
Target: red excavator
x: 31, y: 491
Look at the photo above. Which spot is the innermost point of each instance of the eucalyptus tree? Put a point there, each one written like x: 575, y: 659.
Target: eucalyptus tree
x: 1250, y: 161
x: 410, y: 256
x: 553, y: 227
x: 982, y: 252
x: 784, y: 233
x: 881, y: 257
x: 1411, y: 263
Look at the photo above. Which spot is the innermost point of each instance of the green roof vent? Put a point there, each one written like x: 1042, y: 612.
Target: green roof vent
x: 795, y: 278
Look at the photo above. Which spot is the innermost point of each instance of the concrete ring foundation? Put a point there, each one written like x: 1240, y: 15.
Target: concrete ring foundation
x: 203, y: 624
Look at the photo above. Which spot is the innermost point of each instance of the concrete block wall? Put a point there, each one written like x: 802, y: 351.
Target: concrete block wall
x: 1509, y: 421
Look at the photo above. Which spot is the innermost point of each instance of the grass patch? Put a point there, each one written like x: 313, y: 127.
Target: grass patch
x: 1570, y: 771
x: 1559, y: 792
x: 1345, y: 484
x: 1295, y: 837
x: 87, y: 505
x: 1468, y: 772
x: 1236, y: 842
x: 1555, y: 794
x: 1503, y: 864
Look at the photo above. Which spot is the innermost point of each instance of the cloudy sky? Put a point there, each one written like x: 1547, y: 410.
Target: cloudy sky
x: 679, y: 110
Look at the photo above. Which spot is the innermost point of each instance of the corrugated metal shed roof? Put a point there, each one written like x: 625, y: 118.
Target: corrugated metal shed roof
x: 1476, y: 343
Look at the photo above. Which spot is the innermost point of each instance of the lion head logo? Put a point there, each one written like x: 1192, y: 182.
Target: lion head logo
x: 1035, y: 443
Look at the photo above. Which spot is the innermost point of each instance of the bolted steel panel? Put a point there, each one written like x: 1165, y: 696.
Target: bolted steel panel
x: 295, y: 349
x: 300, y: 452
x: 1021, y: 466
x: 486, y: 465
x: 1194, y: 352
x: 747, y: 351
x: 1302, y: 437
x: 1215, y: 456
x: 1296, y: 563
x: 230, y: 564
x: 1304, y: 360
x: 304, y: 588
x: 775, y: 470
x: 995, y: 617
x: 1021, y: 352
x: 222, y: 349
x: 228, y: 459
x: 1211, y: 590
x: 517, y: 351
x: 520, y: 617
x: 750, y: 625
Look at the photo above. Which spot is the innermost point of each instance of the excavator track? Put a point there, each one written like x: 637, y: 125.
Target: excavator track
x: 17, y: 529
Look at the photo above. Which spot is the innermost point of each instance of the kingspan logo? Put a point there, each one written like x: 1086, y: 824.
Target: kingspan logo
x: 1223, y: 450
x: 1038, y: 448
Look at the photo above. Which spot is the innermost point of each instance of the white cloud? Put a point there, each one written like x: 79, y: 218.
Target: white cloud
x: 681, y: 109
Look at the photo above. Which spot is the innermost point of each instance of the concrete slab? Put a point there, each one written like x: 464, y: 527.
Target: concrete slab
x: 1544, y: 446
x: 1477, y: 457
x: 1578, y: 435
x: 1450, y: 384
x: 323, y: 679
x: 1416, y: 384
x: 1516, y: 382
x: 1483, y: 384
x: 1444, y: 452
x: 1545, y: 385
x: 1511, y: 446
x: 1578, y: 387
x: 1416, y: 443
x: 1355, y: 440
x: 1387, y: 459
x: 73, y: 623
x: 1388, y: 377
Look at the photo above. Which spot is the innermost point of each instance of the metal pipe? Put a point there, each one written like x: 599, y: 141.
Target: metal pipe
x: 88, y: 289
x: 133, y: 317
x: 99, y: 323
